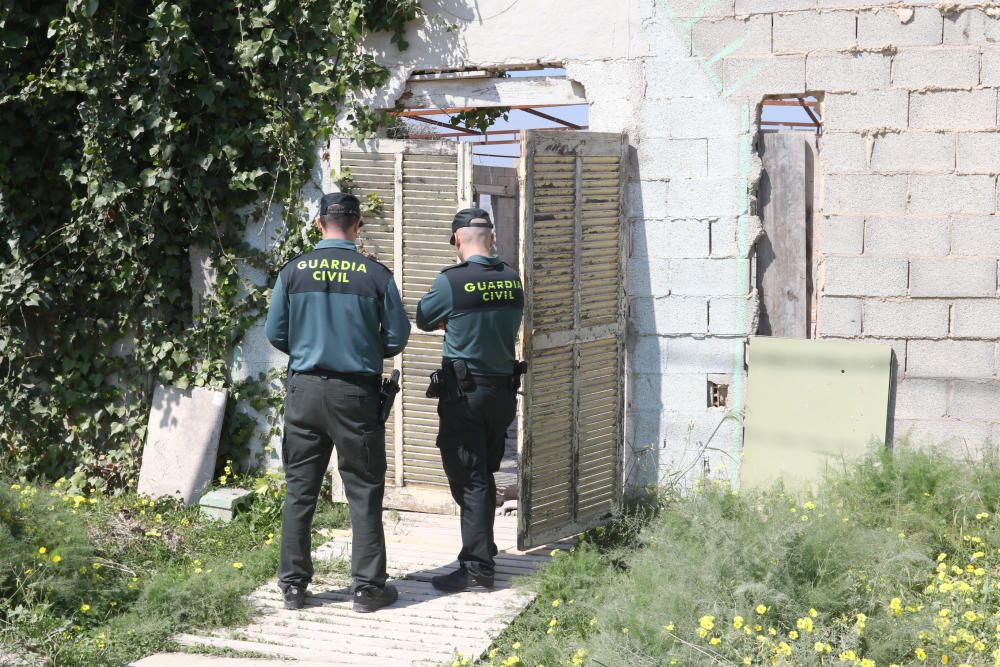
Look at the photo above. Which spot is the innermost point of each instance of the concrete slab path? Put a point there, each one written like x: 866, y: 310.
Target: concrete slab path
x: 424, y: 628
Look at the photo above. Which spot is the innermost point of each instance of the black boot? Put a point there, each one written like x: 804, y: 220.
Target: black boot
x: 461, y: 580
x: 295, y: 597
x: 370, y: 598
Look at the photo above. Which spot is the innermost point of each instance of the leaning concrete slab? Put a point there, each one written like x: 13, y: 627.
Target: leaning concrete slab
x: 182, y: 442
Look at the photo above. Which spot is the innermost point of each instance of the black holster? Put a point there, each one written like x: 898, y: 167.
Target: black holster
x: 436, y: 387
x: 520, y: 368
x: 451, y: 381
x: 387, y: 396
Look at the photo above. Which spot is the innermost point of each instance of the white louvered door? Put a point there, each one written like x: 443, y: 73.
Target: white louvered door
x: 421, y: 185
x: 573, y: 263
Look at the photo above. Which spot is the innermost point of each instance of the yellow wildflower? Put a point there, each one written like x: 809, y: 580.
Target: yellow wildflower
x: 738, y: 622
x: 707, y: 622
x: 56, y: 558
x: 792, y: 634
x: 42, y: 550
x: 238, y: 565
x: 761, y: 609
x: 920, y: 653
x: 85, y: 608
x: 813, y: 613
x: 669, y: 627
x: 556, y: 602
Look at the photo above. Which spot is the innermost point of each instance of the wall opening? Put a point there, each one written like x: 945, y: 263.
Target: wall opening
x: 785, y: 258
x: 452, y: 106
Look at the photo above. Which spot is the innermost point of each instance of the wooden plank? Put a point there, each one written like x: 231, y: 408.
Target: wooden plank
x: 782, y: 261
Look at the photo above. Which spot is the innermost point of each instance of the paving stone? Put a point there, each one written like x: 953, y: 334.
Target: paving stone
x: 224, y: 504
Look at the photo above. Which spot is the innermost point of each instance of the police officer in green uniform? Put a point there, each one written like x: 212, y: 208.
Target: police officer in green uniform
x: 479, y: 304
x: 337, y: 314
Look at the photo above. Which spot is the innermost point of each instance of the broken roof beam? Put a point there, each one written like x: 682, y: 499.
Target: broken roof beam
x: 548, y: 117
x: 526, y: 91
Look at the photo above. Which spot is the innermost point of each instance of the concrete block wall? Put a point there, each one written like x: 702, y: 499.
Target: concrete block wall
x: 907, y: 229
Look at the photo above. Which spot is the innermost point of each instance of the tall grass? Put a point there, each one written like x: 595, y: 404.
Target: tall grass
x: 102, y: 581
x: 894, y: 557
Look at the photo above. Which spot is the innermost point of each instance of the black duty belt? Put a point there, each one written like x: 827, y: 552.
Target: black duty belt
x: 356, y: 378
x: 498, y: 381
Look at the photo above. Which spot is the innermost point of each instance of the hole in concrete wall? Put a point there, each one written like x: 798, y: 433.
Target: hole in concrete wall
x: 496, y: 148
x: 718, y: 394
x: 785, y: 266
x: 499, y: 144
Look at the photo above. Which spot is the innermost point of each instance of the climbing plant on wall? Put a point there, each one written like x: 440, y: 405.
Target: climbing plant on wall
x: 132, y: 131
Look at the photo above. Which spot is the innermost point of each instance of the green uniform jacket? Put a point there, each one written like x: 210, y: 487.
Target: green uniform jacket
x: 334, y: 309
x: 481, y: 302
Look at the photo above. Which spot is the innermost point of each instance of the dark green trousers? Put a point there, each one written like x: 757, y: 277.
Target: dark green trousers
x: 321, y: 413
x: 471, y: 439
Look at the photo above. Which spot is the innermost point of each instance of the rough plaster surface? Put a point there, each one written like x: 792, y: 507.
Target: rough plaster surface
x: 906, y: 185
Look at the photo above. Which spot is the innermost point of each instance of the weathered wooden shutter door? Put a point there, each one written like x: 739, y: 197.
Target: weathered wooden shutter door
x: 573, y: 263
x: 421, y: 184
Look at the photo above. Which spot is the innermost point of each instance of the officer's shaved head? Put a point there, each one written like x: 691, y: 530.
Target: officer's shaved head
x: 475, y: 236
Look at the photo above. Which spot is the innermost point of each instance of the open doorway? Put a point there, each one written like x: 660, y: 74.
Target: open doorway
x: 556, y: 190
x: 494, y: 132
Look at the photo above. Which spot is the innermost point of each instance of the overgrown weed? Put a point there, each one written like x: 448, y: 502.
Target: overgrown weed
x: 895, y: 560
x: 100, y: 581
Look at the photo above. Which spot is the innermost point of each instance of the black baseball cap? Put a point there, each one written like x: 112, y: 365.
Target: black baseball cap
x: 339, y: 202
x: 465, y: 217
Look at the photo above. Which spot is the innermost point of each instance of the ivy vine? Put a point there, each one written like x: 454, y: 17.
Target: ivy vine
x: 135, y: 131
